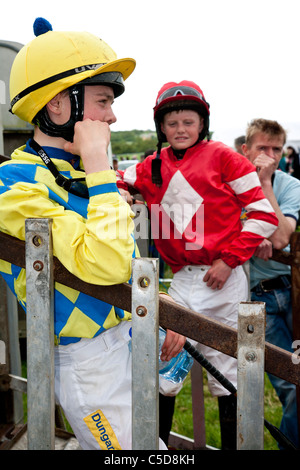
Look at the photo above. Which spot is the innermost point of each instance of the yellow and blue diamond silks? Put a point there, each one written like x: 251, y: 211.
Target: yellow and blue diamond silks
x: 93, y: 238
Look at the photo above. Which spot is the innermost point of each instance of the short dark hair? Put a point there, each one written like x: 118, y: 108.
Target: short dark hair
x: 239, y: 140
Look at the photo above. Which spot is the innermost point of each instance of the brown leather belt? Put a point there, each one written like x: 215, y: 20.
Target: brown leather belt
x: 267, y: 285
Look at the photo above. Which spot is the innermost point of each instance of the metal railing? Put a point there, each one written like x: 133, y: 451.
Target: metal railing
x: 147, y: 309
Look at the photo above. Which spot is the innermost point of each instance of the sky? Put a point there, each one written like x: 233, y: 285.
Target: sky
x: 243, y: 54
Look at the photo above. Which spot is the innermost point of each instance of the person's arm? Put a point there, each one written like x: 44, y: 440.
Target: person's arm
x: 97, y: 249
x: 136, y: 178
x: 217, y: 274
x: 286, y: 225
x: 264, y: 250
x: 261, y: 220
x: 91, y: 141
x: 173, y: 343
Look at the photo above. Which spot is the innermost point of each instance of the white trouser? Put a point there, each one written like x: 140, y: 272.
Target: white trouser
x: 93, y: 387
x: 189, y: 290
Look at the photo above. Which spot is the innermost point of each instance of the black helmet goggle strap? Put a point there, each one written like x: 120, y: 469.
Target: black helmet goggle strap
x: 66, y: 131
x: 180, y: 90
x: 72, y: 185
x: 76, y: 93
x: 112, y: 79
x: 115, y: 77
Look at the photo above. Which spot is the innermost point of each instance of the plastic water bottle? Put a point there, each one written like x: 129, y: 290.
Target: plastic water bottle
x: 178, y: 367
x: 130, y: 340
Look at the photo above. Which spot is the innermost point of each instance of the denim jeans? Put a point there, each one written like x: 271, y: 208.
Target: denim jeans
x: 279, y: 332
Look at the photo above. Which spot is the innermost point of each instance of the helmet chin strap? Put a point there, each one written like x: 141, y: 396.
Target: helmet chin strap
x: 66, y: 131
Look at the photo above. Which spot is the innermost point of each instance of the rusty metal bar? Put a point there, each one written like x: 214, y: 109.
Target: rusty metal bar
x: 198, y: 406
x: 18, y: 383
x: 3, y: 159
x: 180, y: 319
x: 199, y: 442
x: 285, y: 257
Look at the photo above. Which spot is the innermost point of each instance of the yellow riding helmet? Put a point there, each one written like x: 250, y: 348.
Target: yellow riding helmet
x: 56, y: 60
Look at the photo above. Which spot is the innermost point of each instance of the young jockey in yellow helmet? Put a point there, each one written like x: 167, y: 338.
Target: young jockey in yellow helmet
x: 65, y: 84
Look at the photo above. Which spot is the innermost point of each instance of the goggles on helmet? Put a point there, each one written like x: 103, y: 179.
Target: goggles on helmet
x: 182, y: 90
x: 175, y: 96
x: 111, y: 78
x: 76, y: 94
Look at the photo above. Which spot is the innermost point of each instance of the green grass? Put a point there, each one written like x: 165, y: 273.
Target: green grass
x: 183, y: 423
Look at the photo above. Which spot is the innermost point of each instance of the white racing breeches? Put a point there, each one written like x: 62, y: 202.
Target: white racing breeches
x: 189, y: 290
x: 93, y: 387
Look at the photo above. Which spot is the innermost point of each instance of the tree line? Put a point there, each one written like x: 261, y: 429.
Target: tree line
x: 135, y: 141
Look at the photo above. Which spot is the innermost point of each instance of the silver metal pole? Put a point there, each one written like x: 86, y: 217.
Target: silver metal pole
x: 250, y: 379
x: 145, y: 322
x: 40, y: 335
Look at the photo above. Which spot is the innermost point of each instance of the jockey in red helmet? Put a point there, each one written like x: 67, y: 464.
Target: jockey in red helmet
x: 175, y: 97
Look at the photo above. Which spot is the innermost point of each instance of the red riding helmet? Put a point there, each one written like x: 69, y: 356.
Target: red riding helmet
x: 174, y: 97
